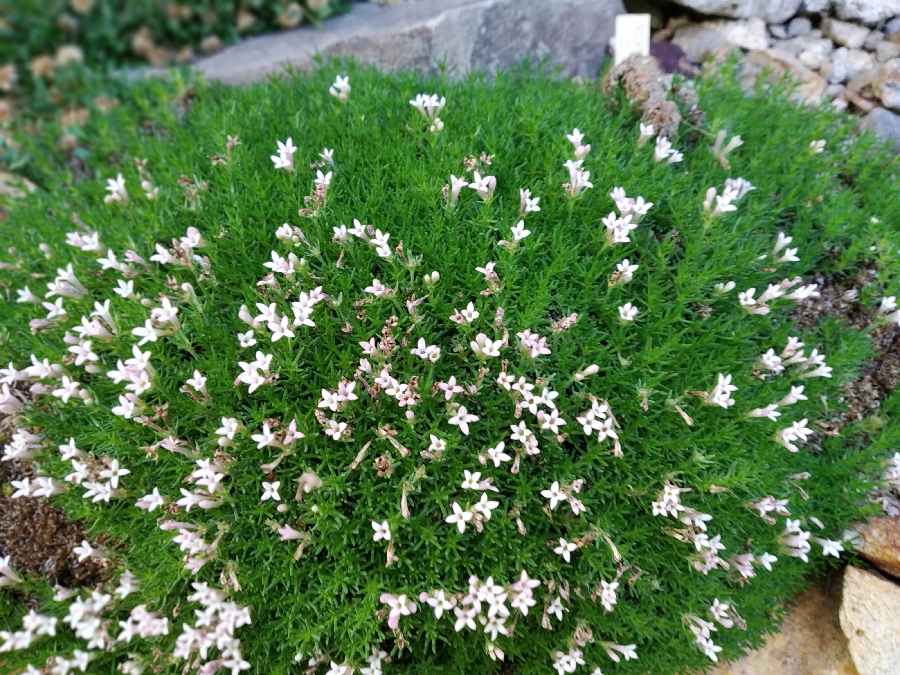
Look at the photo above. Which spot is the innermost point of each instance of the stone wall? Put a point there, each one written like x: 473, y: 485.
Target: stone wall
x: 843, y: 51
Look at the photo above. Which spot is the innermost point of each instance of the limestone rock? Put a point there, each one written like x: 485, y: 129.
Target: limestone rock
x: 879, y: 543
x: 878, y: 84
x: 887, y: 88
x: 815, y: 51
x: 821, y: 47
x: 772, y: 11
x: 799, y: 25
x: 778, y: 31
x: 699, y: 39
x: 811, y: 85
x: 816, y: 6
x: 847, y: 64
x: 884, y: 124
x: 870, y: 618
x: 464, y: 34
x: 873, y: 39
x: 848, y: 34
x: 810, y: 642
x: 885, y: 51
x: 892, y: 26
x: 867, y: 11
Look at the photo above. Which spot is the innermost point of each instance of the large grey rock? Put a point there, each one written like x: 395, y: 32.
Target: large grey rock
x: 699, y: 39
x: 867, y: 11
x: 870, y: 618
x: 847, y: 64
x: 772, y: 11
x: 845, y: 33
x: 464, y: 35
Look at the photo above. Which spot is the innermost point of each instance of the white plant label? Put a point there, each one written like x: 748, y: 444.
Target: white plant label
x: 632, y: 36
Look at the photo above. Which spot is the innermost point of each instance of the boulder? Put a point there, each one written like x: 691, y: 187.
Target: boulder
x: 867, y: 11
x: 879, y: 541
x: 464, y: 35
x: 870, y: 619
x: 699, y: 39
x: 844, y: 33
x: 772, y: 11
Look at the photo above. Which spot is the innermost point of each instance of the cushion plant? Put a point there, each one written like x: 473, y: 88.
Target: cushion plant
x: 355, y: 377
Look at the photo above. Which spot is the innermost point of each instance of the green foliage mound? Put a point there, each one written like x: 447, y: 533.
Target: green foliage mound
x: 446, y: 432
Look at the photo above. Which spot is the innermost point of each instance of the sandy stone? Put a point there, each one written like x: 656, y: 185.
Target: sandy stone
x: 879, y: 543
x: 810, y: 642
x: 870, y: 618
